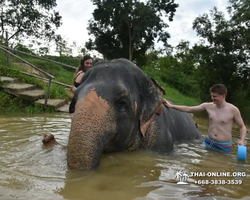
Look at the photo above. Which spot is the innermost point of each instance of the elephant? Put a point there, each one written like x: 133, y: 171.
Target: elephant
x: 120, y: 109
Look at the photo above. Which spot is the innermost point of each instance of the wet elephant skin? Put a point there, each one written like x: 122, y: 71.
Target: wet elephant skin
x: 120, y: 109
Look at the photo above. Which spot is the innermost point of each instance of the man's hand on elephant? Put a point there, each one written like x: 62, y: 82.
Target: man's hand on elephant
x: 166, y: 103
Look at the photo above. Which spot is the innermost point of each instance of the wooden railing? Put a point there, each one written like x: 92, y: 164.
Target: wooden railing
x: 49, y: 76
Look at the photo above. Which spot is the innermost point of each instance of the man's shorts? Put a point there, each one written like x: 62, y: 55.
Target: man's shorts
x: 224, y: 146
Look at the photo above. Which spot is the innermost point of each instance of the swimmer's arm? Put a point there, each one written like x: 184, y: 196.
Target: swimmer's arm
x: 188, y: 109
x: 78, y: 80
x: 79, y: 77
x: 73, y: 89
x: 240, y: 123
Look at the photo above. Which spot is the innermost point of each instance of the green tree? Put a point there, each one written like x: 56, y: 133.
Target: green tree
x: 240, y: 19
x: 186, y: 58
x: 62, y: 46
x: 27, y: 18
x: 179, y: 70
x: 218, y: 54
x: 128, y: 28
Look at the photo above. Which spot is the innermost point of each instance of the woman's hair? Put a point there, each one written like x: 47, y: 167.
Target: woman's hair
x: 81, y: 66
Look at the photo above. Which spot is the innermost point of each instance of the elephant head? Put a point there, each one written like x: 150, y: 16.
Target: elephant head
x: 115, y: 105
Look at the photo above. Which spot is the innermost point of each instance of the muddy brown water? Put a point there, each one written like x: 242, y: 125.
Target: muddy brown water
x: 30, y: 171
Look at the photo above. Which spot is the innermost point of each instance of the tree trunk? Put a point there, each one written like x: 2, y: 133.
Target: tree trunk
x: 130, y: 50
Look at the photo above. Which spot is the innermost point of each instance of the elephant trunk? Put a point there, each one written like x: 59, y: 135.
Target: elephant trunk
x: 91, y: 130
x: 84, y: 150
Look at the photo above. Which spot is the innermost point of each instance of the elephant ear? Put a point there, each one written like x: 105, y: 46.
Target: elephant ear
x: 151, y: 103
x: 158, y: 85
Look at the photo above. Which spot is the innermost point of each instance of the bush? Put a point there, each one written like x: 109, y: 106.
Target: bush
x: 6, y: 71
x: 168, y: 70
x: 12, y: 104
x: 240, y: 98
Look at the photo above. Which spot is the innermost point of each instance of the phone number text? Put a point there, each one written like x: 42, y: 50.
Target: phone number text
x: 219, y: 182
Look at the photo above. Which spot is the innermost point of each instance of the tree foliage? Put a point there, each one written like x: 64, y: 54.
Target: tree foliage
x: 128, y: 28
x: 240, y: 19
x: 220, y: 55
x: 29, y: 18
x: 179, y: 70
x: 62, y: 46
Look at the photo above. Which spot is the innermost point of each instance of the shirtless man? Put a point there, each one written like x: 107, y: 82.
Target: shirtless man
x: 222, y: 116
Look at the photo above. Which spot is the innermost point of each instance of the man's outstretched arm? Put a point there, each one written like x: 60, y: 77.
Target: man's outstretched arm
x: 188, y: 109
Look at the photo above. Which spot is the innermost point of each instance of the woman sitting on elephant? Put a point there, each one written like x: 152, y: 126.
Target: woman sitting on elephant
x: 85, y: 63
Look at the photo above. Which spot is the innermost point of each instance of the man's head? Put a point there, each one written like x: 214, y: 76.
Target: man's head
x: 219, y: 89
x: 218, y: 93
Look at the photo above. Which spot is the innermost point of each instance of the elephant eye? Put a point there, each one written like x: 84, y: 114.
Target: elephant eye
x: 122, y: 105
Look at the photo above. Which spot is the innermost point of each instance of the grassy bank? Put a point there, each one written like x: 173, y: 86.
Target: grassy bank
x: 11, y: 104
x: 171, y: 93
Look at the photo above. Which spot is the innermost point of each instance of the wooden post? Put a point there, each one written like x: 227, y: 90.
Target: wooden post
x: 7, y: 45
x: 47, y: 93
